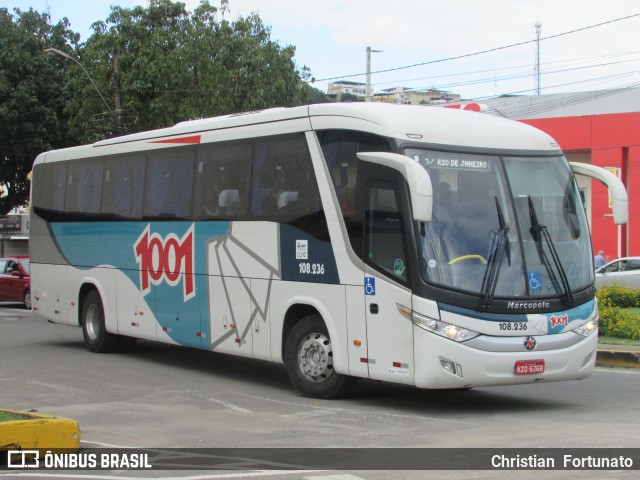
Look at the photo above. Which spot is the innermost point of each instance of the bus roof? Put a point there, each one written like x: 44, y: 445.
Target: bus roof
x: 435, y: 125
x: 417, y: 124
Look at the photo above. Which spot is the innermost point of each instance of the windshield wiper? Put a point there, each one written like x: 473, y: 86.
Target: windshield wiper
x: 499, y: 245
x: 540, y: 233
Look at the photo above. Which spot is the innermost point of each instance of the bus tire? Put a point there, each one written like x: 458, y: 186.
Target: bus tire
x: 96, y: 337
x: 309, y: 361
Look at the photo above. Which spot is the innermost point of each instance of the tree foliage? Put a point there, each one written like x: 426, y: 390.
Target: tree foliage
x: 31, y: 98
x: 161, y: 64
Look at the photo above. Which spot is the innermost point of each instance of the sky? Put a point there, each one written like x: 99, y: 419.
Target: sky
x: 417, y: 37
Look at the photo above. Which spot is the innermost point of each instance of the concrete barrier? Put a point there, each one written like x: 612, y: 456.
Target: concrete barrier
x: 36, y: 431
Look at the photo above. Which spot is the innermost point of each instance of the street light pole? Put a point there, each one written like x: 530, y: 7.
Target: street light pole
x: 368, y: 97
x: 116, y: 118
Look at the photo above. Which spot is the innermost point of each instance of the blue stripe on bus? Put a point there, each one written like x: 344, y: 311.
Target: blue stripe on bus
x: 557, y: 321
x: 180, y: 313
x: 111, y: 244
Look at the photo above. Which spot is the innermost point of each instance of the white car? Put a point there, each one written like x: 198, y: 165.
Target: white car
x: 623, y: 271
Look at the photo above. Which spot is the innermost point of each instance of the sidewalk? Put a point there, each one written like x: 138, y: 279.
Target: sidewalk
x: 627, y: 356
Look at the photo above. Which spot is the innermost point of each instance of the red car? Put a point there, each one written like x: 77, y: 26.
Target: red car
x: 15, y: 280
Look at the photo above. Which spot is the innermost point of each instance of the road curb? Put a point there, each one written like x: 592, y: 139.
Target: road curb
x: 618, y: 358
x: 36, y: 431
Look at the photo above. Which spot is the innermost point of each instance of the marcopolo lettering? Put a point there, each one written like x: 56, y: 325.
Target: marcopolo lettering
x: 527, y: 305
x: 169, y: 259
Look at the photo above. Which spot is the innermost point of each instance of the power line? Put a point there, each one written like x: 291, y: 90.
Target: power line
x: 519, y: 75
x: 481, y: 52
x: 569, y: 62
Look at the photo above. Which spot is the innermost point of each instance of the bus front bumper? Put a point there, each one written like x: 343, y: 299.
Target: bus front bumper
x: 443, y: 363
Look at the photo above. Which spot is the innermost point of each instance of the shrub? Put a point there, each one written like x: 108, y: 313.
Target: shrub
x: 619, y: 322
x: 616, y: 320
x: 617, y: 296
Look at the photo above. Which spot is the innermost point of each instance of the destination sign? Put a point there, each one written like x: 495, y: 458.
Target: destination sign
x: 457, y: 163
x: 451, y: 161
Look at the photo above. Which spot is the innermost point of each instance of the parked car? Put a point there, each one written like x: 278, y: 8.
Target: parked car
x: 15, y: 280
x: 623, y: 271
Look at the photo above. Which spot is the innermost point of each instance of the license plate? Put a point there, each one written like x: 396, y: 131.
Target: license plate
x: 529, y: 367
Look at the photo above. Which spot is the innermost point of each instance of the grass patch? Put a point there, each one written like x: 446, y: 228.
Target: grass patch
x: 617, y: 341
x: 12, y: 417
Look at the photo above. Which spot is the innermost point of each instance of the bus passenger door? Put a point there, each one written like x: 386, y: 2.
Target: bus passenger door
x: 386, y: 282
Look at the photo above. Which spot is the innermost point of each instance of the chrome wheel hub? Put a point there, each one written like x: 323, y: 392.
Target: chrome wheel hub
x: 92, y: 322
x: 315, y: 357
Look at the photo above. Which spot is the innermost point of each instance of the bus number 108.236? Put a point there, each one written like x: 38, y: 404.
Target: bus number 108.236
x: 311, y: 268
x: 513, y: 326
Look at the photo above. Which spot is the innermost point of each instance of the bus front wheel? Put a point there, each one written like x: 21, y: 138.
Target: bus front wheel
x: 96, y: 337
x: 309, y: 361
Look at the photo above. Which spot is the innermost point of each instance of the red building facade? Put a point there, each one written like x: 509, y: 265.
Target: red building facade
x: 610, y: 141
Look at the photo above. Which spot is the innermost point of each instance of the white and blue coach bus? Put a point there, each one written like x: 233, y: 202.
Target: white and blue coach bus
x: 426, y: 246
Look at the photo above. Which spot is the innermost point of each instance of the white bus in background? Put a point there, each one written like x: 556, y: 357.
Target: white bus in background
x: 425, y: 246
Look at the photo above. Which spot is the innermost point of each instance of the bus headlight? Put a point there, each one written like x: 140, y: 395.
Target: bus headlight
x: 587, y: 328
x: 444, y: 329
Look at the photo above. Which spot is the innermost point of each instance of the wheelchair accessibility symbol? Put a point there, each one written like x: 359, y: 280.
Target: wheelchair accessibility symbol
x: 535, y: 281
x: 369, y: 286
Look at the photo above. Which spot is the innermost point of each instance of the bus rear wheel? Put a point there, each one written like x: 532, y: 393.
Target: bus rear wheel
x: 309, y: 361
x: 96, y: 337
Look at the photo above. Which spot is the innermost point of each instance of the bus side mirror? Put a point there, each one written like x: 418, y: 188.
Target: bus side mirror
x: 418, y: 179
x: 617, y: 192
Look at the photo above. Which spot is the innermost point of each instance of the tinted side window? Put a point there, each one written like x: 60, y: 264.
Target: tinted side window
x: 270, y: 179
x: 384, y: 231
x: 123, y: 188
x: 48, y: 197
x: 614, y: 267
x: 340, y: 148
x: 84, y: 189
x: 632, y: 265
x: 169, y: 183
x: 222, y: 181
x: 284, y: 184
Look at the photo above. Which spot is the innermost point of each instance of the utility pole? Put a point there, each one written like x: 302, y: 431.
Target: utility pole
x: 368, y: 97
x: 116, y: 88
x: 116, y: 118
x: 537, y: 86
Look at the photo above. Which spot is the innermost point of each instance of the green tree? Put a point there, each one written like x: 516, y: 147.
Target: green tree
x: 162, y: 64
x: 350, y: 97
x: 31, y: 97
x: 313, y: 95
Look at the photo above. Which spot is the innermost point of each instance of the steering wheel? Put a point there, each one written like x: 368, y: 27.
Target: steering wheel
x: 473, y: 256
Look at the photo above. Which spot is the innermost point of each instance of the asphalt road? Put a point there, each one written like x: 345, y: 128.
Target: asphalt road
x: 168, y: 397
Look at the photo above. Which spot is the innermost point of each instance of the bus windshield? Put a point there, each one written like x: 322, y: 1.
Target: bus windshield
x: 504, y: 226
